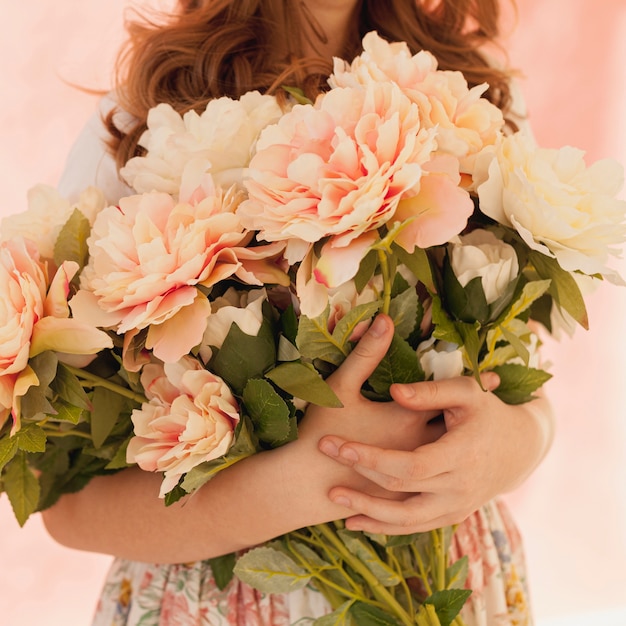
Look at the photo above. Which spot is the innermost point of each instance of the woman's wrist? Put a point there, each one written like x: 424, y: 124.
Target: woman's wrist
x: 537, y: 426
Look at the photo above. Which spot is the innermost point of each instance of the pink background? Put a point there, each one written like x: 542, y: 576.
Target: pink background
x: 572, y: 512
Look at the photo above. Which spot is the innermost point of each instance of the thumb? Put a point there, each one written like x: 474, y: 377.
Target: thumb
x: 366, y: 355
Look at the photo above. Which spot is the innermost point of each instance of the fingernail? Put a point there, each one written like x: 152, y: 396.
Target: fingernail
x: 378, y: 327
x: 349, y: 454
x: 329, y: 448
x: 342, y: 501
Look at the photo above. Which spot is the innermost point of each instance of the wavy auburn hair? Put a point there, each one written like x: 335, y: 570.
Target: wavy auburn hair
x: 213, y: 48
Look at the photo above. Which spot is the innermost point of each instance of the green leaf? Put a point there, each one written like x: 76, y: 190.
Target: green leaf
x: 268, y: 411
x: 399, y: 365
x: 368, y: 615
x: 222, y: 568
x: 303, y: 381
x: 472, y: 343
x: 419, y: 264
x: 427, y: 616
x: 271, y: 571
x: 64, y: 412
x: 107, y: 406
x: 366, y: 270
x: 119, y: 458
x: 289, y: 323
x: 312, y: 559
x: 403, y: 310
x: 456, y: 574
x: 531, y: 292
x: 35, y: 402
x: 445, y: 328
x: 358, y: 545
x: 45, y: 366
x: 541, y: 311
x: 8, y: 449
x: 516, y: 343
x: 466, y: 303
x: 243, y: 447
x: 563, y: 287
x: 287, y: 351
x: 67, y: 386
x: 31, y: 438
x: 347, y: 324
x: 316, y: 564
x: 518, y: 382
x: 397, y: 541
x: 22, y: 488
x: 297, y: 94
x: 243, y: 357
x: 174, y: 495
x: 339, y: 617
x: 71, y: 244
x: 448, y: 603
x: 315, y: 341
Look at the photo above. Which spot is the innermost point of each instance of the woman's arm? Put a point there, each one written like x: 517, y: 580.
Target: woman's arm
x: 256, y: 499
x: 489, y: 448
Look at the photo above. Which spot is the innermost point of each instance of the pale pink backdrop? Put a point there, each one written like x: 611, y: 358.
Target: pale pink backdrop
x: 572, y: 512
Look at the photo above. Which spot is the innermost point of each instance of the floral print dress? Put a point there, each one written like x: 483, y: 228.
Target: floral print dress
x: 141, y: 594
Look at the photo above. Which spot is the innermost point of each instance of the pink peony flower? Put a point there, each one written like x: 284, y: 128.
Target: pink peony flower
x: 35, y: 317
x: 149, y: 256
x: 337, y: 168
x: 465, y: 121
x: 190, y: 418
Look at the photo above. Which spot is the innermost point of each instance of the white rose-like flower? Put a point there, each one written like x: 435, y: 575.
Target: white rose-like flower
x: 244, y: 308
x: 557, y: 204
x: 440, y: 359
x: 46, y: 214
x: 220, y: 140
x: 482, y: 254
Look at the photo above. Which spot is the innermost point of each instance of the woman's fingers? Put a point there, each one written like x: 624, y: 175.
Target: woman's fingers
x: 442, y: 394
x: 366, y: 355
x: 394, y: 470
x: 416, y: 513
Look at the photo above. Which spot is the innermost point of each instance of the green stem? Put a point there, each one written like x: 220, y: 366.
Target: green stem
x: 441, y: 558
x: 66, y: 433
x: 331, y: 555
x: 98, y: 381
x: 422, y: 571
x: 380, y: 592
x: 405, y: 586
x: 384, y: 270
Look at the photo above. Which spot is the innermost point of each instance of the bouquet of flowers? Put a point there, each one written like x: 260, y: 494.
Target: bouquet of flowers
x: 190, y: 325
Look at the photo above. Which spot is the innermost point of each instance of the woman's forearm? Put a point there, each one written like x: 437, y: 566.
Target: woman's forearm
x: 255, y: 500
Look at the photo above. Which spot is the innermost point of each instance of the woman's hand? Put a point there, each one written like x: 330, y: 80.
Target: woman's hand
x: 400, y: 426
x: 489, y: 448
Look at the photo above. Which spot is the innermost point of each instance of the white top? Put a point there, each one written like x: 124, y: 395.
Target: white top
x: 90, y: 163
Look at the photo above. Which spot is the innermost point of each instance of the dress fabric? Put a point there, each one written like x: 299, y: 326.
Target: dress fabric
x: 140, y: 594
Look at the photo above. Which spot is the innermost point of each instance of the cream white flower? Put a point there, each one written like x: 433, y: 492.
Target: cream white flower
x: 557, y: 204
x: 440, y: 359
x: 220, y: 140
x: 46, y: 214
x: 243, y: 308
x: 482, y: 254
